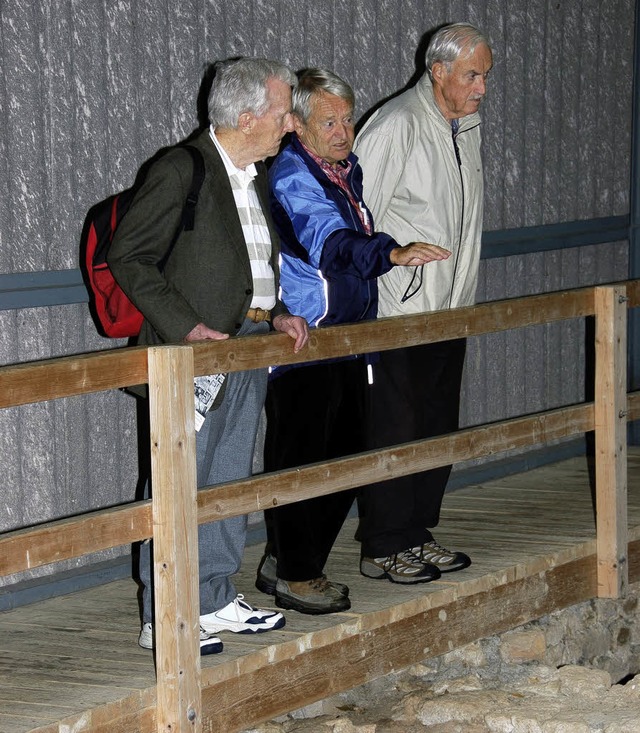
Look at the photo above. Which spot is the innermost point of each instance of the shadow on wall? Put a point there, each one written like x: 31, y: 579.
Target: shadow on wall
x: 420, y: 69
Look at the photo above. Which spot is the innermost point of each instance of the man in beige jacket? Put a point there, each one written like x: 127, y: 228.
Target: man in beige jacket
x: 420, y: 153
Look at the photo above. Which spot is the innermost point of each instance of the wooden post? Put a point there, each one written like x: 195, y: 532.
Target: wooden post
x: 611, y: 441
x: 175, y: 535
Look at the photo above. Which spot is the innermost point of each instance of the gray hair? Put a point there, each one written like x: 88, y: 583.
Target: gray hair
x: 240, y: 85
x: 312, y: 81
x: 448, y: 43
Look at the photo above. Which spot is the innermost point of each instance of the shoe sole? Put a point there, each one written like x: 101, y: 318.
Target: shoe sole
x: 293, y: 604
x: 207, y: 646
x: 445, y: 569
x: 246, y: 628
x: 461, y: 565
x: 400, y: 580
x: 268, y: 588
x: 210, y: 646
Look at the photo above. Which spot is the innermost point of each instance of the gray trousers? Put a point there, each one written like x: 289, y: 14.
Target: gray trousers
x: 224, y: 452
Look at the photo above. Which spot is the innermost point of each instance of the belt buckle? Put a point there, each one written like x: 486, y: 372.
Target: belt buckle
x: 258, y: 315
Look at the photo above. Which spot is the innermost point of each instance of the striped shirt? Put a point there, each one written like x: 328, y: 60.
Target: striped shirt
x: 254, y: 228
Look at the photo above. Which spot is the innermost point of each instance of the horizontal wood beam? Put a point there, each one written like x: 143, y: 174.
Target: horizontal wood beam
x: 76, y: 536
x: 385, y: 641
x: 391, y: 333
x: 67, y: 376
x: 63, y: 539
x: 115, y: 368
x: 285, y: 487
x: 123, y: 367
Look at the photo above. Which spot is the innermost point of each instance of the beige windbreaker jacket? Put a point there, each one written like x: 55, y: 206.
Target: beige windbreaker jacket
x: 416, y: 191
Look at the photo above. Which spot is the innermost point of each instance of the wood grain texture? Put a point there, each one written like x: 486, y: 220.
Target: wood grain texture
x: 532, y: 540
x: 175, y: 539
x: 611, y: 440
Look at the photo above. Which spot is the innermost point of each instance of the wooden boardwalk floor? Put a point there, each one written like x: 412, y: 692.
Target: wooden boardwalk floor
x: 65, y: 657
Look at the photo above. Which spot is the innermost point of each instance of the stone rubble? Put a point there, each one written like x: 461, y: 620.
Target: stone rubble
x: 574, y: 671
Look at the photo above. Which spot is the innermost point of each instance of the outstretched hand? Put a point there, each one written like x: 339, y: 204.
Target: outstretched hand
x: 418, y: 253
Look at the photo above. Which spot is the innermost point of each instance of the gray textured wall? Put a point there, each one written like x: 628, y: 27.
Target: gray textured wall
x: 92, y: 88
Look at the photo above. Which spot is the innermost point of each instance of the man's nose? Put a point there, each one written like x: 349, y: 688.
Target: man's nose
x: 288, y: 125
x: 341, y: 129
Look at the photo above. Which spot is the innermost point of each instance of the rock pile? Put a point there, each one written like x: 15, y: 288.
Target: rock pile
x: 575, y: 671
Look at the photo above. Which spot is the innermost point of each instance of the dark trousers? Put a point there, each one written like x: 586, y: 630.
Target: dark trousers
x: 314, y: 413
x: 415, y: 395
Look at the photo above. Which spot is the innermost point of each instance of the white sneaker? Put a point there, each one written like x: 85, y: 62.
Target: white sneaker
x: 208, y: 644
x: 241, y: 618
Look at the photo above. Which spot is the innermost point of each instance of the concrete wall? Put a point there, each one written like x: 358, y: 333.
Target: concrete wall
x: 91, y: 88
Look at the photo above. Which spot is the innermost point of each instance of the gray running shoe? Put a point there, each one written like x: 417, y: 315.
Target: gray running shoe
x: 447, y: 561
x: 403, y: 567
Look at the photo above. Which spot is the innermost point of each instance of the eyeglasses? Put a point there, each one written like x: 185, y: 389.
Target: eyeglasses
x: 414, y: 285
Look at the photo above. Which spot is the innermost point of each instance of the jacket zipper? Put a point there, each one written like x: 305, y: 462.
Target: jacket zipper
x: 456, y: 151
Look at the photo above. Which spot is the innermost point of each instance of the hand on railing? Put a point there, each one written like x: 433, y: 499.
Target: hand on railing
x: 294, y: 326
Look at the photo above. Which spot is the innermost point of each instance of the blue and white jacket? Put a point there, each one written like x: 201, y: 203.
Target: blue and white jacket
x: 328, y: 264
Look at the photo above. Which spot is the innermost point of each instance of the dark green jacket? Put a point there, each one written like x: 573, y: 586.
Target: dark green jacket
x: 208, y: 275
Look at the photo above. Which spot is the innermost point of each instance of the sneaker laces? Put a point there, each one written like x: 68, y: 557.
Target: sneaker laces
x: 434, y: 549
x: 405, y: 557
x: 320, y: 584
x: 240, y: 606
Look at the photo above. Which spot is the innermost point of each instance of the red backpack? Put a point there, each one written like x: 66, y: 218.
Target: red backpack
x: 114, y: 314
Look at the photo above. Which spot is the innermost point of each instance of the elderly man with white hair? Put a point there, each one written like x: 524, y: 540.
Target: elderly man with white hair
x: 420, y: 154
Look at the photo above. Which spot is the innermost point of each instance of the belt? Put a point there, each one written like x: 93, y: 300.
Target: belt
x: 257, y: 315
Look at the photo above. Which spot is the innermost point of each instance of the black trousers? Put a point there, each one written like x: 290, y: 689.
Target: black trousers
x: 314, y: 413
x: 415, y: 395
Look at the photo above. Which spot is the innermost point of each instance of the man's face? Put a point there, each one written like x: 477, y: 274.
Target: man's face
x: 329, y: 131
x: 459, y: 91
x: 272, y: 126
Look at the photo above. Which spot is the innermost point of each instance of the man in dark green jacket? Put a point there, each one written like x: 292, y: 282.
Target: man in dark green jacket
x: 221, y: 279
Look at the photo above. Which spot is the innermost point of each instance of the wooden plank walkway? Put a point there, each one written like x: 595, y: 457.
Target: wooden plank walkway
x: 75, y: 658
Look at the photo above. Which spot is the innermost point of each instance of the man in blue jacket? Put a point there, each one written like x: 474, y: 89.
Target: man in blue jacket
x: 330, y: 259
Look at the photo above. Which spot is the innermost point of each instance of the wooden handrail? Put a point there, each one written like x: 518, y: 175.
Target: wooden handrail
x: 63, y: 539
x: 67, y: 538
x: 172, y: 522
x: 117, y: 368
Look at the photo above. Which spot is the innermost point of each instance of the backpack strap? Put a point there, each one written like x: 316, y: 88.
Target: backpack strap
x: 187, y: 220
x: 189, y: 210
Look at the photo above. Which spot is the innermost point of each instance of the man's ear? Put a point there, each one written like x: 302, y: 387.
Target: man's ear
x: 438, y: 70
x: 297, y: 125
x: 246, y: 122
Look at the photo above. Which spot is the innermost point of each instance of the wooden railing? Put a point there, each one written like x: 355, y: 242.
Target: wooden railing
x: 177, y: 508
